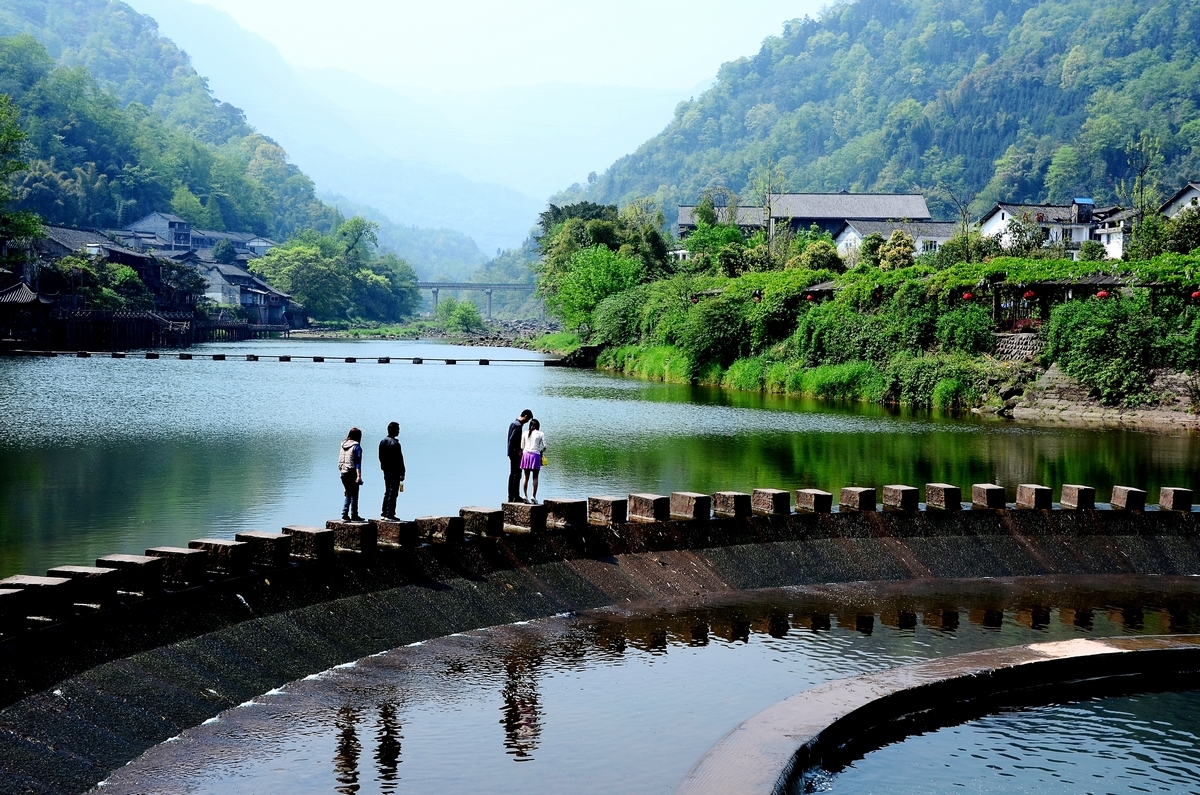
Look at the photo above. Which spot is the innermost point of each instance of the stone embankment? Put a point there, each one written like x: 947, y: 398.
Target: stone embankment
x: 100, y: 662
x: 1056, y: 397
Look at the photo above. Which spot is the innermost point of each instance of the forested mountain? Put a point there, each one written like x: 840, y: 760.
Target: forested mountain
x: 1028, y: 100
x: 120, y: 125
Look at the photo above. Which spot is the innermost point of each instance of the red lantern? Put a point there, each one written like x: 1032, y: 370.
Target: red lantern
x: 1102, y: 294
x: 1196, y: 296
x: 1029, y: 295
x: 809, y: 296
x: 968, y: 296
x: 695, y: 299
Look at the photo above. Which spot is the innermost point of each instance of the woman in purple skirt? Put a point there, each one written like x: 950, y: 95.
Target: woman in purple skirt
x: 533, y: 445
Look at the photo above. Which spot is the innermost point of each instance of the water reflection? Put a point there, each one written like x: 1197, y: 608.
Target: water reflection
x: 617, y: 701
x: 522, y: 710
x: 387, y: 747
x: 345, y: 761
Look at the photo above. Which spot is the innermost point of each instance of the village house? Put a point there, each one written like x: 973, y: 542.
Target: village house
x: 233, y: 285
x: 166, y: 232
x: 58, y: 242
x: 173, y: 230
x: 1185, y: 197
x: 827, y: 211
x: 1067, y: 224
x: 928, y: 236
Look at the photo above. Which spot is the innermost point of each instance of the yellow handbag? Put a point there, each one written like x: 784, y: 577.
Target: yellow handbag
x: 543, y: 459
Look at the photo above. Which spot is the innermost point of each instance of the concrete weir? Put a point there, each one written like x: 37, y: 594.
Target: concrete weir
x: 98, y: 663
x: 838, y: 721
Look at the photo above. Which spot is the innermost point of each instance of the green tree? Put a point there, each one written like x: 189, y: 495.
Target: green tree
x: 868, y: 252
x: 898, y: 252
x: 17, y: 228
x: 592, y: 275
x: 819, y: 255
x: 312, y: 278
x: 224, y: 252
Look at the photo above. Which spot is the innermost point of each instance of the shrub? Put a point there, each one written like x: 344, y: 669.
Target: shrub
x: 1184, y: 344
x: 1092, y: 251
x: 967, y: 330
x: 954, y: 393
x: 715, y: 331
x: 463, y: 318
x: 616, y: 319
x: 1109, y: 345
x: 819, y: 255
x: 777, y: 375
x: 915, y: 380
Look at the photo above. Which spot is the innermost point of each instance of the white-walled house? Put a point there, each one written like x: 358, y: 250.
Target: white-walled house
x: 929, y: 236
x: 1071, y: 224
x: 1113, y: 233
x: 1185, y: 197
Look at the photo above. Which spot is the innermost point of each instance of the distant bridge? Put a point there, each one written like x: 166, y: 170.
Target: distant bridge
x: 484, y: 286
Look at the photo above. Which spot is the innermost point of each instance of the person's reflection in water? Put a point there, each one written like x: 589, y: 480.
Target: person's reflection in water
x: 387, y: 747
x: 522, y: 706
x: 345, y: 761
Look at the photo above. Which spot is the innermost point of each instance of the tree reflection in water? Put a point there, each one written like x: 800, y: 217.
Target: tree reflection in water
x: 522, y: 703
x: 345, y: 761
x: 387, y: 747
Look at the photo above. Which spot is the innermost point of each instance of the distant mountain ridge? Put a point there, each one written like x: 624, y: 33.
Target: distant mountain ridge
x: 119, y: 125
x: 481, y: 162
x: 1000, y: 100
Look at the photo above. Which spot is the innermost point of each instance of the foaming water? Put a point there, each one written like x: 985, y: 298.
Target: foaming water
x: 1136, y: 744
x: 619, y: 701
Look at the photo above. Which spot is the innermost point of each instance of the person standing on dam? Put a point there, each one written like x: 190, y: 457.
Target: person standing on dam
x: 533, y: 447
x: 391, y: 461
x: 515, y: 444
x: 350, y: 468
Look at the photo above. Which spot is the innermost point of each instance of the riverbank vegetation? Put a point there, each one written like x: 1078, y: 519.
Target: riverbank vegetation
x: 342, y: 274
x: 790, y: 316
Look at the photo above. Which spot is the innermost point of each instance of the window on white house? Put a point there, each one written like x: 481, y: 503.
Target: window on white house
x: 929, y: 246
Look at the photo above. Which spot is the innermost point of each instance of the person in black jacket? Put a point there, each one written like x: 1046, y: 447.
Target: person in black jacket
x: 391, y: 461
x: 514, y: 455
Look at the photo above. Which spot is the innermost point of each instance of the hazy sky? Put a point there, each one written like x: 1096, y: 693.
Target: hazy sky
x: 469, y: 44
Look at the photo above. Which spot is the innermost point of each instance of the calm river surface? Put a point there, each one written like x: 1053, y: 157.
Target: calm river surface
x: 100, y: 455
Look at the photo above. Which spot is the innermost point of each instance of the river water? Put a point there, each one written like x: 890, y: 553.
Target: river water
x: 101, y: 455
x: 626, y: 701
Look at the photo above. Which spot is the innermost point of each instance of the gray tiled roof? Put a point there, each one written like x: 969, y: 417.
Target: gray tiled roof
x: 838, y: 206
x: 80, y: 239
x: 20, y: 293
x: 1050, y: 213
x: 946, y: 229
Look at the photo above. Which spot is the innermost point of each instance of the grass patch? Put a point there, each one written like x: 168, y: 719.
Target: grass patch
x: 749, y: 375
x: 562, y: 342
x: 849, y: 381
x: 653, y: 362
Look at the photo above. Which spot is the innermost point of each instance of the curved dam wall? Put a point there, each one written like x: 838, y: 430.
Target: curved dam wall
x: 89, y: 685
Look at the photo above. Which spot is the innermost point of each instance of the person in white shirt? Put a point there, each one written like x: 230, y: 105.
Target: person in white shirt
x: 533, y: 444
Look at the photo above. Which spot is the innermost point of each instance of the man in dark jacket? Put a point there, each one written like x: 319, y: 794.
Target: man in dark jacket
x: 514, y: 455
x: 391, y: 461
